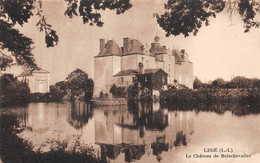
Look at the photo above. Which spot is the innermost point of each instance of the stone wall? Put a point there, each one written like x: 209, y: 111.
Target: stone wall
x: 38, y: 82
x: 105, y: 68
x: 183, y: 73
x: 123, y: 80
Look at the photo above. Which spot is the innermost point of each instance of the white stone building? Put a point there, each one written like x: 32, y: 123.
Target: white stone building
x: 118, y: 65
x: 38, y: 80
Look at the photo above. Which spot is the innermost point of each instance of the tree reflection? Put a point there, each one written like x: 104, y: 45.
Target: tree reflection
x: 159, y: 146
x: 133, y: 152
x: 180, y: 139
x: 79, y: 115
x: 219, y: 108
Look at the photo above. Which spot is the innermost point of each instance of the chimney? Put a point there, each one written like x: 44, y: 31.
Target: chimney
x: 152, y: 47
x: 183, y: 51
x: 141, y: 68
x: 126, y: 42
x: 102, y: 45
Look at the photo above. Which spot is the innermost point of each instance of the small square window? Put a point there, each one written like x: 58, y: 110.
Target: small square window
x: 134, y: 79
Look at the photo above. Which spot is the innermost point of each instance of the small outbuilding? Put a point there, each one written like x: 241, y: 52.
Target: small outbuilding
x: 38, y: 80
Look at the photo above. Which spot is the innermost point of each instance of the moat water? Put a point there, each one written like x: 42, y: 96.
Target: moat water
x: 146, y: 132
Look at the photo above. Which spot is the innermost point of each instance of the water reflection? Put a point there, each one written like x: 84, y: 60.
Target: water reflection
x: 79, y: 114
x: 139, y: 129
x: 36, y: 119
x: 219, y: 108
x: 145, y: 132
x: 39, y: 117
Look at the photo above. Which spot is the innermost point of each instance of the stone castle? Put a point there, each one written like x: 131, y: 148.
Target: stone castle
x: 119, y: 65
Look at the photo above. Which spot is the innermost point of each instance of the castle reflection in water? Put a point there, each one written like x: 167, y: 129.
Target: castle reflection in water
x: 125, y: 132
x: 140, y: 129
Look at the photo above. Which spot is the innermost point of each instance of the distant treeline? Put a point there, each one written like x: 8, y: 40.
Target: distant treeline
x: 210, y: 96
x: 236, y: 82
x: 239, y: 90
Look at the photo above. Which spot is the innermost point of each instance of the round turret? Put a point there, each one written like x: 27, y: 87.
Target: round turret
x: 156, y: 39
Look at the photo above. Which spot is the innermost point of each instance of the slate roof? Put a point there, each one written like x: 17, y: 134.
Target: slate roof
x: 152, y: 71
x: 158, y: 49
x: 30, y: 72
x: 127, y: 72
x: 135, y: 47
x: 136, y: 71
x: 157, y: 58
x: 111, y: 48
x: 179, y: 56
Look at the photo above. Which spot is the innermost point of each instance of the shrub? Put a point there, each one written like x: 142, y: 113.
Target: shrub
x: 133, y: 91
x: 12, y: 91
x: 118, y: 92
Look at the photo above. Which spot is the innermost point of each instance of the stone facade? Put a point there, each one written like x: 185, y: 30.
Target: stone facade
x: 118, y: 65
x: 37, y: 80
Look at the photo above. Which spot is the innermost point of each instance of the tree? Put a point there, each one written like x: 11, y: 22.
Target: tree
x: 118, y: 92
x: 61, y: 86
x: 186, y: 16
x: 13, y: 91
x: 79, y: 84
x: 13, y: 12
x: 218, y: 83
x: 89, y: 9
x: 242, y: 82
x: 197, y: 84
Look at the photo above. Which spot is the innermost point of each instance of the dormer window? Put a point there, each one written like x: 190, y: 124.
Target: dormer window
x: 134, y: 79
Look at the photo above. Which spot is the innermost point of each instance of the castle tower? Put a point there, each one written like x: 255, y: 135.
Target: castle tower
x: 106, y: 64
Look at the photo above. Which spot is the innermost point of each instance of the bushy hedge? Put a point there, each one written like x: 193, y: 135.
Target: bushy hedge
x: 46, y: 97
x: 118, y: 92
x: 208, y: 96
x: 133, y: 91
x: 55, y: 95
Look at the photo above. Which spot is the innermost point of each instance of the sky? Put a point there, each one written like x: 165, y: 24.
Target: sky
x: 221, y: 49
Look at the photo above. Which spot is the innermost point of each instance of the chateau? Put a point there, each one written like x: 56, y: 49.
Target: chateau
x: 120, y: 65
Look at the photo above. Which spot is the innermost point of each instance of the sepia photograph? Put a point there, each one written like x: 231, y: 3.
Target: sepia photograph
x: 121, y: 81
